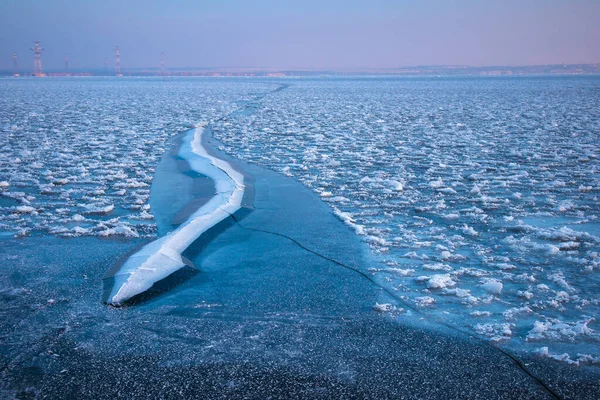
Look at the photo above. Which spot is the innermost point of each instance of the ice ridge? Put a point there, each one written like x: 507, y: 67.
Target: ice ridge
x: 162, y: 257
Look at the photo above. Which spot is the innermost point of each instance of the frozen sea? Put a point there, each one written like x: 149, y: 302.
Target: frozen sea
x: 476, y: 200
x: 478, y: 197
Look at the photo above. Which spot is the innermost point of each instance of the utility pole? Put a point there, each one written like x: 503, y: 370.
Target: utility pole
x: 37, y: 58
x: 118, y: 61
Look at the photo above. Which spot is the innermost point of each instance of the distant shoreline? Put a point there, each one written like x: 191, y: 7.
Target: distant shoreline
x: 440, y: 70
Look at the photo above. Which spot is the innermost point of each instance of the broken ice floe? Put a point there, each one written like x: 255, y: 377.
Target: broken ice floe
x: 162, y: 257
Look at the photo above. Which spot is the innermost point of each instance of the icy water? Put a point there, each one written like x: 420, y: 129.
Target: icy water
x: 477, y: 197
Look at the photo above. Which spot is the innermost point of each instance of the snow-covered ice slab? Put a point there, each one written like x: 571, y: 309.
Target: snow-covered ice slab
x: 162, y: 257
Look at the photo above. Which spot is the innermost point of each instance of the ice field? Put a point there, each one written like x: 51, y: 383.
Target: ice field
x: 477, y: 202
x: 479, y: 197
x: 78, y: 156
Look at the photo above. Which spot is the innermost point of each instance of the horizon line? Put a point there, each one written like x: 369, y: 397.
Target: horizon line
x: 302, y: 69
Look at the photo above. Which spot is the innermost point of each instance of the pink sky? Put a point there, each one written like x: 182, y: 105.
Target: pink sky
x: 303, y: 34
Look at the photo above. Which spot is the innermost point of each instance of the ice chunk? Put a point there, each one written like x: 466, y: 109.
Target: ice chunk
x: 424, y: 301
x: 95, y: 209
x: 25, y: 209
x: 556, y: 329
x: 492, y: 286
x: 440, y: 281
x: 437, y: 183
x: 387, y: 308
x: 120, y: 230
x: 495, y: 331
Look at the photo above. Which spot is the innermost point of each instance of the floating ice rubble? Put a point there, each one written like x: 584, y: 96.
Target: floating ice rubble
x: 162, y: 257
x: 87, y: 148
x: 479, y: 198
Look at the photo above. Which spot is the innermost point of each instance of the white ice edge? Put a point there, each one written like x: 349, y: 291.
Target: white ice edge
x: 160, y: 258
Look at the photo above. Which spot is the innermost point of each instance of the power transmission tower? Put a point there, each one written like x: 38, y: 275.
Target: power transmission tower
x: 118, y: 61
x: 37, y: 58
x: 15, y: 64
